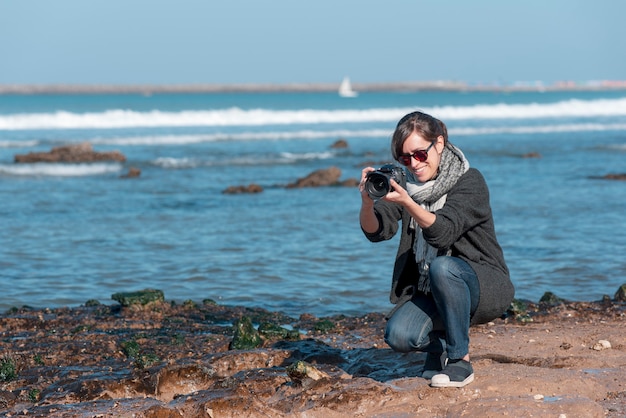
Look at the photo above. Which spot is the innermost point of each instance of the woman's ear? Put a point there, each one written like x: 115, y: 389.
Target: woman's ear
x: 441, y: 143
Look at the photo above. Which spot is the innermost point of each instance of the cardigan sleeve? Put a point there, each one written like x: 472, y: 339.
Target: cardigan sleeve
x: 388, y: 214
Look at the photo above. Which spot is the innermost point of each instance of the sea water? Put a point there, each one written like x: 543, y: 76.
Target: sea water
x: 75, y: 232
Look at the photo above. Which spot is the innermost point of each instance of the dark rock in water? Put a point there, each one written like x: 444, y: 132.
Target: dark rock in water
x: 621, y: 176
x: 620, y: 295
x: 531, y: 155
x: 246, y: 337
x: 251, y: 188
x: 352, y: 182
x: 132, y: 173
x: 75, y: 153
x: 340, y: 143
x: 142, y: 297
x: 323, y: 177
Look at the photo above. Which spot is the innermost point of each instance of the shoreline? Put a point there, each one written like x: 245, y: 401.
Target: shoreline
x: 152, y: 358
x: 408, y: 86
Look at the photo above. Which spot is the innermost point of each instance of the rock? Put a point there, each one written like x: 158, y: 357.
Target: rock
x: 132, y: 173
x: 246, y: 337
x: 270, y: 330
x: 142, y: 297
x: 322, y: 177
x: 75, y: 153
x: 531, y: 155
x: 251, y: 188
x: 620, y: 295
x: 551, y: 299
x: 352, y: 182
x: 340, y: 143
x: 76, y: 362
x: 300, y: 370
x: 621, y: 176
x: 601, y: 345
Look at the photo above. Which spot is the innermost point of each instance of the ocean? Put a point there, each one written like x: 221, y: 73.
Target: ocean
x: 76, y: 232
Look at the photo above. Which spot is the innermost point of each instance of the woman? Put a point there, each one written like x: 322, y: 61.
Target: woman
x: 449, y: 271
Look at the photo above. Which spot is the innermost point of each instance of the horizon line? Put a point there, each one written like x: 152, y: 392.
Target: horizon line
x: 404, y: 86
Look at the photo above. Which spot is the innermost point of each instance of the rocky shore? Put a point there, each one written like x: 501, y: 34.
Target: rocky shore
x: 145, y: 357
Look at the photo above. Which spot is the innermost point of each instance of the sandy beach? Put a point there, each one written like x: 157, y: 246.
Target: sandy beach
x: 178, y: 360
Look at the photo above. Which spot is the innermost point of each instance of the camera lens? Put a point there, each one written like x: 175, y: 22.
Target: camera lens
x: 377, y: 185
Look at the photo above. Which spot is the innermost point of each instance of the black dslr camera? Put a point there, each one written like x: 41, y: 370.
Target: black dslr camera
x: 377, y: 182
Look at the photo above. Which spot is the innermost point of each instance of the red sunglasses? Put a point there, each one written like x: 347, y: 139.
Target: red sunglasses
x: 420, y: 155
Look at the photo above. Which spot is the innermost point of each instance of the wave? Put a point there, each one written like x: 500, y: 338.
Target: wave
x: 173, y: 140
x: 58, y: 170
x: 119, y: 119
x: 282, y: 158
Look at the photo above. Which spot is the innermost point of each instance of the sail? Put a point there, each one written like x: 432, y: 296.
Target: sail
x: 345, y: 89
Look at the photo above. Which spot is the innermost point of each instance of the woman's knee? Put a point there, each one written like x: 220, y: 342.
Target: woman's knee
x: 398, y: 339
x: 404, y: 337
x: 440, y: 267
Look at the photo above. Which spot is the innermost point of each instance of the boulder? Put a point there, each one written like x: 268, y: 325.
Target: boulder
x: 74, y: 153
x: 251, y: 188
x: 323, y: 177
x: 340, y: 143
x: 621, y: 176
x: 132, y: 173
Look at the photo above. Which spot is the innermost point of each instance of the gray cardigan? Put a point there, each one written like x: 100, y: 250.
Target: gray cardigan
x: 465, y: 226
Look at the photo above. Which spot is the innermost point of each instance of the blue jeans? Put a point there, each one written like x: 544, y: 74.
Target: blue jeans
x: 438, y: 321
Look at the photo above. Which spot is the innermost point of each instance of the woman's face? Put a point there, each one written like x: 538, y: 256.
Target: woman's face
x: 428, y: 169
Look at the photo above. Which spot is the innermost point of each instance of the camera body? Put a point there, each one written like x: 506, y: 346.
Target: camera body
x: 377, y: 182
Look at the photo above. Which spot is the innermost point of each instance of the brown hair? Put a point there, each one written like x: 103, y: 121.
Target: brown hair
x: 426, y: 126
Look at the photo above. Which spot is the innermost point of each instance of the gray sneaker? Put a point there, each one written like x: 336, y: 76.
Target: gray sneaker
x: 456, y: 374
x: 434, y: 364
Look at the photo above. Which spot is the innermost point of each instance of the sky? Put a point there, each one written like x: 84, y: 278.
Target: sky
x: 288, y: 41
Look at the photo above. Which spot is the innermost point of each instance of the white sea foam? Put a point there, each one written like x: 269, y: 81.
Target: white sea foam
x: 59, y: 170
x: 344, y: 133
x: 174, y: 163
x: 18, y: 144
x: 118, y: 118
x: 174, y: 140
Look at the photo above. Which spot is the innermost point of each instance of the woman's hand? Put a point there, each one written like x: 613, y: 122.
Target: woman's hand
x: 398, y: 194
x: 366, y: 199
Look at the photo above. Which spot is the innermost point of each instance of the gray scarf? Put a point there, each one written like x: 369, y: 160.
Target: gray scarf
x: 432, y: 196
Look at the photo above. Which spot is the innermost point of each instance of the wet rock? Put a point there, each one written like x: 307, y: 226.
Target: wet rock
x: 324, y: 325
x: 62, y: 372
x: 531, y: 155
x: 246, y: 337
x: 251, y: 188
x: 351, y: 182
x: 301, y: 370
x: 270, y: 330
x: 620, y: 295
x: 519, y: 310
x: 621, y: 176
x: 133, y: 172
x: 551, y: 299
x: 75, y: 153
x: 7, y: 398
x: 323, y: 177
x: 142, y: 297
x: 340, y: 143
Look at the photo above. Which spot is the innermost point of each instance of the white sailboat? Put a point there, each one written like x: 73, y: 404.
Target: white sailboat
x: 345, y: 88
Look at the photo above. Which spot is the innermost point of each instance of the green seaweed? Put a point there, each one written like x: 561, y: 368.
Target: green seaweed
x: 142, y: 297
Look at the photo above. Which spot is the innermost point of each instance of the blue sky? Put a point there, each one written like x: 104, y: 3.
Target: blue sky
x: 290, y: 41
